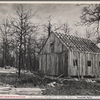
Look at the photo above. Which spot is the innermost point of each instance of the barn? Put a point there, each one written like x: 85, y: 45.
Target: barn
x: 67, y: 55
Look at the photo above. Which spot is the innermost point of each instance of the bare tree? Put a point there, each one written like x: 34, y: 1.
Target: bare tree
x: 89, y: 33
x: 6, y: 41
x: 62, y: 27
x: 48, y: 27
x: 22, y: 27
x: 91, y: 16
x: 65, y: 28
x: 56, y: 27
x: 41, y: 41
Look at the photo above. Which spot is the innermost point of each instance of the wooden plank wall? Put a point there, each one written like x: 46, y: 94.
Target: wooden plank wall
x: 65, y: 63
x: 69, y: 63
x: 57, y: 63
x: 58, y: 46
x: 54, y: 63
x: 74, y: 69
x: 99, y: 65
x: 89, y: 69
x: 82, y: 68
x: 93, y: 68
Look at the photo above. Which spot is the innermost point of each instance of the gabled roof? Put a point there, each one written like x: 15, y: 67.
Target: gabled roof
x: 77, y: 43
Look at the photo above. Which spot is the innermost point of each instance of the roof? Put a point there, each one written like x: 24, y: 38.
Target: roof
x: 77, y: 43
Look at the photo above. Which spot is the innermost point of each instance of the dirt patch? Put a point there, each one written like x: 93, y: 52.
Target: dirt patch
x: 73, y: 88
x: 25, y: 80
x: 52, y: 85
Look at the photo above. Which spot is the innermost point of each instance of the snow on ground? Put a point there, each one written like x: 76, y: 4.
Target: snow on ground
x: 10, y: 70
x: 10, y: 90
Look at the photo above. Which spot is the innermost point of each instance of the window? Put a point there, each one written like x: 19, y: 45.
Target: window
x: 75, y: 62
x: 52, y: 46
x: 89, y: 63
x: 99, y: 63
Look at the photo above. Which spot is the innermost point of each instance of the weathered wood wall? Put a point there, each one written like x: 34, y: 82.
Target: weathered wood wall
x: 58, y: 46
x: 60, y: 61
x: 82, y: 68
x: 56, y: 62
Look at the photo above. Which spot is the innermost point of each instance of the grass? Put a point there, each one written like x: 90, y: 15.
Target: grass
x: 13, y: 80
x: 74, y: 88
x: 67, y: 87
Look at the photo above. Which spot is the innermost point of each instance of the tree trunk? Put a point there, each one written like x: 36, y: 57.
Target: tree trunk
x: 24, y: 52
x: 20, y: 55
x: 19, y: 62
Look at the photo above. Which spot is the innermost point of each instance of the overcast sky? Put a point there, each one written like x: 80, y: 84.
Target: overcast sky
x: 60, y: 13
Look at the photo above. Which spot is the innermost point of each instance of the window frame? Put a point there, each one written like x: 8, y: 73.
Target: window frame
x: 99, y: 63
x: 75, y: 62
x: 52, y: 47
x: 89, y: 63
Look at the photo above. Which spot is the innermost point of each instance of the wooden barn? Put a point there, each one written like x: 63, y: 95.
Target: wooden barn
x: 68, y: 55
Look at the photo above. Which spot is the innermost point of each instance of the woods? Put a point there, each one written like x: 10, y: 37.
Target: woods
x: 23, y: 30
x: 20, y: 45
x: 49, y: 49
x: 91, y: 17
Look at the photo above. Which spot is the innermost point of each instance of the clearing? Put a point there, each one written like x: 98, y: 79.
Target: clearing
x: 38, y: 84
x: 11, y: 84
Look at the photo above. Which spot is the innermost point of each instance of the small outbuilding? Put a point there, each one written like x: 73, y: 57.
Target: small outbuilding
x: 67, y: 55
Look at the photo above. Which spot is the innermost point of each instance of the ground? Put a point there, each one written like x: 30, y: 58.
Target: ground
x: 11, y: 84
x: 38, y: 84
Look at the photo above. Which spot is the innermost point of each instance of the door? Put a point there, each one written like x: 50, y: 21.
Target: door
x: 65, y: 64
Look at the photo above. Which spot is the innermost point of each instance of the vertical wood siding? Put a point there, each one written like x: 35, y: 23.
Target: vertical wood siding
x: 54, y: 63
x: 58, y: 46
x: 93, y: 68
x: 89, y: 69
x: 75, y: 69
x: 61, y: 60
x: 99, y: 65
x: 83, y: 69
x: 69, y: 63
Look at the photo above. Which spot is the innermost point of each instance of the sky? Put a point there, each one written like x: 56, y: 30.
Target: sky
x: 59, y: 13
